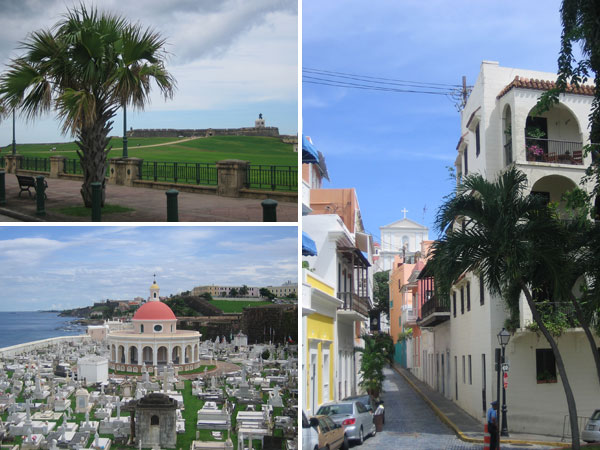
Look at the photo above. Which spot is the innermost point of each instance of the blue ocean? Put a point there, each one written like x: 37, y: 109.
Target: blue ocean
x: 20, y: 327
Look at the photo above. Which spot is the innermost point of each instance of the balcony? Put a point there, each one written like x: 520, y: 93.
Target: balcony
x: 409, y: 317
x: 354, y: 303
x: 553, y: 151
x: 434, y: 312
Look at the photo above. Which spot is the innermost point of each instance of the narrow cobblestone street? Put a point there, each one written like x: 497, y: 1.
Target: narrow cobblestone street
x: 410, y: 424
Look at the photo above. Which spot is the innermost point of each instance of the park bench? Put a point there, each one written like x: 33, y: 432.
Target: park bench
x: 27, y: 182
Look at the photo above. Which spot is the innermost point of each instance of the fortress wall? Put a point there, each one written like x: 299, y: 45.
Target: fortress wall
x: 172, y: 132
x: 44, y: 343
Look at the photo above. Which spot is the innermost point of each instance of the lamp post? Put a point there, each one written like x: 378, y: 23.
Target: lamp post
x: 125, y: 155
x: 14, y: 142
x: 503, y: 338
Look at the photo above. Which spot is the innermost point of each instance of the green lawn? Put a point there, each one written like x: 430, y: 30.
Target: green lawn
x: 236, y: 306
x: 257, y: 150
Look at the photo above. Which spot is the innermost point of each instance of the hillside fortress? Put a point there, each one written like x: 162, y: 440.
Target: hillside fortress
x: 259, y: 129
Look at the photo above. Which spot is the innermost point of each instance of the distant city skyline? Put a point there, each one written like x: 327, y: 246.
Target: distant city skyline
x: 217, y: 54
x: 64, y: 267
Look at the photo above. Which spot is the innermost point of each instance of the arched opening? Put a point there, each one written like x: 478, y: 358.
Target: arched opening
x: 188, y: 353
x: 176, y: 356
x: 147, y: 356
x: 133, y: 355
x: 162, y: 355
x: 507, y: 135
x: 552, y: 188
x: 554, y: 136
x: 121, y: 354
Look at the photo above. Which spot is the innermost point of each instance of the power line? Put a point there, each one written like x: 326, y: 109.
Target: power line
x: 326, y: 82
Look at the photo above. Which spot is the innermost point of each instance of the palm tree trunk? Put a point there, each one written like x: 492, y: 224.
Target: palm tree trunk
x: 559, y: 364
x: 588, y: 333
x: 92, y: 142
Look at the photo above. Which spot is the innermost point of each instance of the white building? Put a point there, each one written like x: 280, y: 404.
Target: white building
x: 403, y: 238
x: 497, y: 126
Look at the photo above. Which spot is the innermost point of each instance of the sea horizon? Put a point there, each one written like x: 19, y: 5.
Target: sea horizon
x: 19, y: 327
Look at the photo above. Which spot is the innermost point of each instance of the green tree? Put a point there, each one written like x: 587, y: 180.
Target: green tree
x: 381, y: 292
x: 244, y: 291
x: 206, y: 296
x: 233, y: 292
x: 86, y: 67
x: 265, y: 354
x: 264, y: 292
x: 580, y: 26
x: 372, y: 362
x: 509, y: 238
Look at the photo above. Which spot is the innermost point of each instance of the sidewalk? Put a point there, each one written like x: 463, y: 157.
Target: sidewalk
x: 150, y: 205
x: 466, y: 427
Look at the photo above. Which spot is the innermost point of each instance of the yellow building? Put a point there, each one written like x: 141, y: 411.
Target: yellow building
x: 319, y: 315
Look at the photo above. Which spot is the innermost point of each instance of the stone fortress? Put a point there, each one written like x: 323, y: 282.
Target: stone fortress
x: 259, y: 129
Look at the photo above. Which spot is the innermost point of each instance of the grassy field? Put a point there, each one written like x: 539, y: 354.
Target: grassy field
x: 257, y: 150
x: 236, y: 306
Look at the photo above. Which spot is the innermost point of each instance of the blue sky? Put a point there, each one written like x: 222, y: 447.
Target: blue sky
x: 232, y: 60
x: 394, y: 147
x: 54, y: 267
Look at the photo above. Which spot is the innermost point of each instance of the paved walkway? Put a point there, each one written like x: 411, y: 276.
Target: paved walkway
x: 150, y: 205
x: 445, y: 413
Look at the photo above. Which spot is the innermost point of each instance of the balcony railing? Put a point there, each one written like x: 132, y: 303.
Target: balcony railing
x: 435, y: 311
x: 552, y: 151
x: 353, y: 302
x: 409, y: 316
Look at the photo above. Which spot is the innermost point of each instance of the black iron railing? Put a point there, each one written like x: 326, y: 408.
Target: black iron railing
x: 553, y: 151
x: 435, y: 305
x: 353, y: 302
x: 37, y: 164
x: 275, y: 178
x: 72, y: 166
x: 175, y: 172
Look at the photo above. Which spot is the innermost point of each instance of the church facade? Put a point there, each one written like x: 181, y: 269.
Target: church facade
x: 154, y: 340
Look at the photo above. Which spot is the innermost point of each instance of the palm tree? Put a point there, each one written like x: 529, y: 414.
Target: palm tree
x: 509, y: 238
x: 86, y: 67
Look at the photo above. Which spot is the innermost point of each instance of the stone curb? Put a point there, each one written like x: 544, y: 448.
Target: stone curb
x: 20, y: 216
x: 459, y: 433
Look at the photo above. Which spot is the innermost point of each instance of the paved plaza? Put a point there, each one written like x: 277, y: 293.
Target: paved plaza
x: 150, y: 205
x: 411, y: 424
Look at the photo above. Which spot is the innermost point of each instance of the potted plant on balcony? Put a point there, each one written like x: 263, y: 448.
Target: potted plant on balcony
x: 535, y: 153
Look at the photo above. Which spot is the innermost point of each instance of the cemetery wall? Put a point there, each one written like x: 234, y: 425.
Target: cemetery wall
x: 35, y: 345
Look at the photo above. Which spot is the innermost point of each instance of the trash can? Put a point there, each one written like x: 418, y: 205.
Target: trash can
x: 378, y: 418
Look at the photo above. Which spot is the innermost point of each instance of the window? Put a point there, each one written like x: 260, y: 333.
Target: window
x: 470, y: 371
x: 391, y: 303
x: 464, y: 373
x: 477, y: 143
x: 468, y: 296
x: 158, y: 328
x: 545, y: 366
x: 454, y: 302
x: 462, y: 300
x: 481, y: 290
x: 141, y: 328
x: 466, y: 161
x: 154, y: 420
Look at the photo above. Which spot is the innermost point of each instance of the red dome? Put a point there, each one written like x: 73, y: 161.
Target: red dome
x: 154, y: 311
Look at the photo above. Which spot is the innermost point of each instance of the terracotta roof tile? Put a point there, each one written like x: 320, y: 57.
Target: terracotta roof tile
x: 544, y: 85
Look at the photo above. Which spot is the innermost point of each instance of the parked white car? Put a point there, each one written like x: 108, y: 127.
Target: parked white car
x: 591, y: 432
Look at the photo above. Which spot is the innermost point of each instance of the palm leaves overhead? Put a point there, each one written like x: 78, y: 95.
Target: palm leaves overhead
x: 86, y: 67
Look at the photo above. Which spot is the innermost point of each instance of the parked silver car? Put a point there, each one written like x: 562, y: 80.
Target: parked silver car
x: 353, y: 415
x: 591, y: 432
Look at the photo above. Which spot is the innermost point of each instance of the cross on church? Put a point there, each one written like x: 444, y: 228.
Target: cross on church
x: 404, y: 211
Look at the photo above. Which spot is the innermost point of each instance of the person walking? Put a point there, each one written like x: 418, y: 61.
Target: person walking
x: 492, y: 421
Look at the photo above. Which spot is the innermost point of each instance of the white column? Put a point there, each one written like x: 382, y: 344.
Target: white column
x: 170, y: 355
x: 155, y: 355
x: 140, y: 354
x: 128, y: 354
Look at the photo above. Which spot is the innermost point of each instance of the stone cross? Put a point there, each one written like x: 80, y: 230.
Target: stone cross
x: 118, y: 408
x: 404, y: 211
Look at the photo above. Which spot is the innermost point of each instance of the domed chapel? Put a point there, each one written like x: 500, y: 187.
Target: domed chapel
x: 154, y: 340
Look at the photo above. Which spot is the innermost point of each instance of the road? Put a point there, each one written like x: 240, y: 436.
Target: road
x: 410, y: 424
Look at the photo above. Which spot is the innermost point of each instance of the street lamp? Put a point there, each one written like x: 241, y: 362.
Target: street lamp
x: 503, y: 338
x: 14, y: 142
